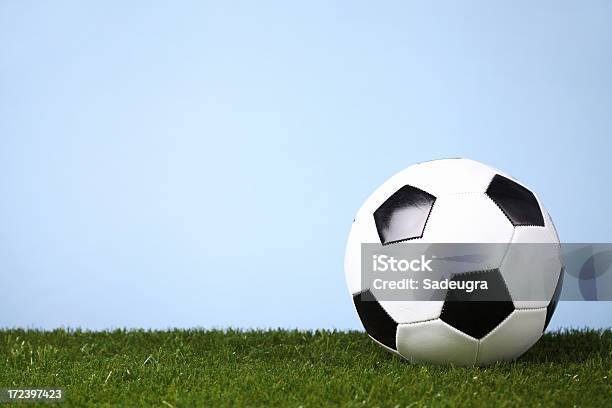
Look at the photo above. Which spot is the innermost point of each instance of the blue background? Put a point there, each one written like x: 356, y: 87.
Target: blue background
x: 199, y: 163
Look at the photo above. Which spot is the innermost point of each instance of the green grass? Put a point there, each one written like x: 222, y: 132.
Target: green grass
x: 184, y: 368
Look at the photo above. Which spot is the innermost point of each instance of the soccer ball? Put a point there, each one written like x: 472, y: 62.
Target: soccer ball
x: 458, y: 201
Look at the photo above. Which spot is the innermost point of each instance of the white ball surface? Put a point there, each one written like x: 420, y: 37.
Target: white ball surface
x: 469, y: 202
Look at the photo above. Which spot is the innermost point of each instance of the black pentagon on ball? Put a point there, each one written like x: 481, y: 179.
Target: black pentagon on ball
x: 518, y: 203
x: 403, y: 215
x: 376, y: 321
x: 552, y: 305
x: 478, y: 312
